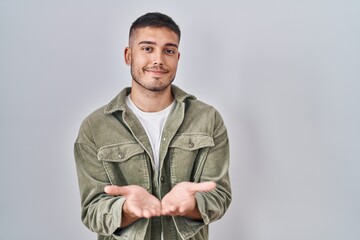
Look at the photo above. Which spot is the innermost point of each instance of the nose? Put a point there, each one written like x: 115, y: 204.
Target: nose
x: 158, y: 58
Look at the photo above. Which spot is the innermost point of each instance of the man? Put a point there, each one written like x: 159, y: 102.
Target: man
x: 153, y: 163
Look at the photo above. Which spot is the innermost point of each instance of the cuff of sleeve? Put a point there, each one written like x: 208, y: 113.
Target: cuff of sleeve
x: 188, y: 227
x: 201, y: 204
x: 114, y: 217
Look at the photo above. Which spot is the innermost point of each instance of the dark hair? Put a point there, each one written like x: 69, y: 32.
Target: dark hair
x: 155, y: 19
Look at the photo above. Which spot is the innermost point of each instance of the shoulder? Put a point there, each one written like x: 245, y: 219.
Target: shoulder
x: 96, y: 115
x: 89, y: 123
x: 191, y: 102
x: 201, y: 114
x: 105, y: 112
x: 200, y: 108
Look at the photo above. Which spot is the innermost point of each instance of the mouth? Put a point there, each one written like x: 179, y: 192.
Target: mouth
x: 156, y: 71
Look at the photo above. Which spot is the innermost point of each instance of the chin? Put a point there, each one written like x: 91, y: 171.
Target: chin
x: 157, y: 88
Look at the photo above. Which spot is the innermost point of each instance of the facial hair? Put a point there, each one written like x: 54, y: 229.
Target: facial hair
x: 151, y: 86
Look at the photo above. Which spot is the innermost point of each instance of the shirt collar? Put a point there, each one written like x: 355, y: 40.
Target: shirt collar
x: 119, y: 102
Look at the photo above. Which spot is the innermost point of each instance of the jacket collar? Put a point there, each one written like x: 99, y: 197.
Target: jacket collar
x: 119, y: 102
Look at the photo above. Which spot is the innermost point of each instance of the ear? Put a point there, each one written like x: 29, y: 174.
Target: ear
x: 178, y: 56
x: 127, y: 56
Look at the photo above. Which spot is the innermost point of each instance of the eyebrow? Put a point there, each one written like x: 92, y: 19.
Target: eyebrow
x: 154, y: 43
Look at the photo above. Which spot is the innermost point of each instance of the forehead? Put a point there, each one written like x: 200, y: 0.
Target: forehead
x: 160, y: 35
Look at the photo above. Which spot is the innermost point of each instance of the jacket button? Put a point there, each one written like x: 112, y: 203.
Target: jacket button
x: 191, y: 144
x: 121, y: 155
x: 162, y: 178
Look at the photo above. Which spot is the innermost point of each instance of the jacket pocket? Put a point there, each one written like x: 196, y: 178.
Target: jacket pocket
x: 187, y: 155
x: 125, y: 164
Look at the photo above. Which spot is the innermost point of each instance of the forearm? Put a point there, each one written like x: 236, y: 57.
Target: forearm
x: 103, y: 216
x: 213, y: 204
x: 101, y: 213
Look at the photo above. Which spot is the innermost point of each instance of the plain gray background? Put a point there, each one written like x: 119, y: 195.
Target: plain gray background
x: 285, y: 76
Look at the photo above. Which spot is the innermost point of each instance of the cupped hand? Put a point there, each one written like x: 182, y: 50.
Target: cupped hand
x: 180, y: 201
x: 139, y: 203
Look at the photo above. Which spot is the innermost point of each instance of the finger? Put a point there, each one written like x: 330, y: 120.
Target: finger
x: 168, y: 213
x: 147, y: 213
x: 153, y: 212
x: 168, y: 209
x: 202, y: 187
x: 165, y: 212
x: 154, y: 209
x: 181, y: 210
x: 116, y: 190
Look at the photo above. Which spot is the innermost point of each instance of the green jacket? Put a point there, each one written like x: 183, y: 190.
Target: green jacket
x: 113, y: 148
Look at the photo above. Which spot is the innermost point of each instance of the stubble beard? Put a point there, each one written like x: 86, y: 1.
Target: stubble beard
x: 150, y: 87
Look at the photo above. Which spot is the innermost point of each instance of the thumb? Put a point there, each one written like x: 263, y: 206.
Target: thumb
x: 116, y: 190
x: 202, y: 187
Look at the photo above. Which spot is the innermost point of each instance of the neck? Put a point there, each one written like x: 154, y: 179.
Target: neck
x: 151, y: 101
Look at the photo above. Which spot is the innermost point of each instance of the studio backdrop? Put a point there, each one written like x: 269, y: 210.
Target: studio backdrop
x: 285, y: 76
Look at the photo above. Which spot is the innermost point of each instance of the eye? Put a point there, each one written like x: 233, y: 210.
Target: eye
x: 147, y: 49
x: 170, y: 51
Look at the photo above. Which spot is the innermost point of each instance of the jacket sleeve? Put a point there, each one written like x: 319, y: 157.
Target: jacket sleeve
x: 215, y: 167
x: 101, y: 213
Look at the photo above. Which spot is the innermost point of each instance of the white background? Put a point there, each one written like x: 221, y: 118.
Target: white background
x: 285, y: 76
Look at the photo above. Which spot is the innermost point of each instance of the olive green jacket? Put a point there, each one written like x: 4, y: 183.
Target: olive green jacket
x: 113, y: 148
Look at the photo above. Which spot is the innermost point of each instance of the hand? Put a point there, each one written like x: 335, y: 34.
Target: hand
x: 139, y: 203
x: 180, y: 201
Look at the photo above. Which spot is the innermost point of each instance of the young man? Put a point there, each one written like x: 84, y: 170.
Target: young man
x: 153, y: 163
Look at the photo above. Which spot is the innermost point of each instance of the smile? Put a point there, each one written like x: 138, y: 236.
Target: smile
x: 156, y: 71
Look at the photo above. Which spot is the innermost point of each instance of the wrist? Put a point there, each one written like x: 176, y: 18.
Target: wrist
x: 127, y: 217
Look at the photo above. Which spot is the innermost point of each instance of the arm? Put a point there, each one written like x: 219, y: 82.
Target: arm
x: 213, y: 205
x: 100, y: 212
x: 214, y: 167
x: 107, y: 208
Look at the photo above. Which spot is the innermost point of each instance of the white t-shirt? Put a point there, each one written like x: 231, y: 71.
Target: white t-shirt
x: 153, y: 122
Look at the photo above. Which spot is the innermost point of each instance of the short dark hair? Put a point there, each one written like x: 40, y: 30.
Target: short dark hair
x: 155, y: 19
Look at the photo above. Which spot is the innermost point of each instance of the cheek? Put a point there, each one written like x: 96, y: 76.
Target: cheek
x: 173, y: 63
x: 137, y: 66
x: 138, y: 61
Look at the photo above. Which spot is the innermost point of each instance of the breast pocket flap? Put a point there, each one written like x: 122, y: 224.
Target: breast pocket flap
x: 192, y: 142
x: 119, y: 152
